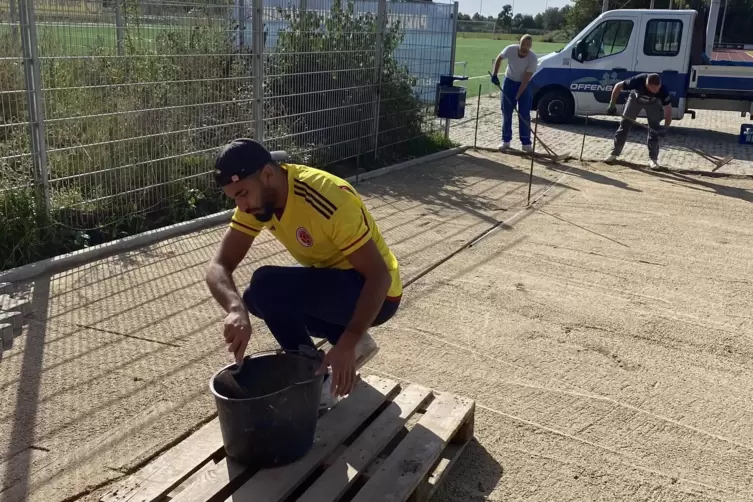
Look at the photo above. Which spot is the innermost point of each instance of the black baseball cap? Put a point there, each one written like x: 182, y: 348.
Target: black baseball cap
x: 240, y: 159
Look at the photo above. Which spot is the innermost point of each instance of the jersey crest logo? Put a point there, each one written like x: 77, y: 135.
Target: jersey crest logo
x: 304, y: 237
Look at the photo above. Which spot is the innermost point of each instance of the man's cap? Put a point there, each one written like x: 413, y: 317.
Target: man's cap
x: 240, y: 159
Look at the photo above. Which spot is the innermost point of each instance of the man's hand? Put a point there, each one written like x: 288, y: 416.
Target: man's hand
x: 495, y: 79
x: 342, y: 359
x: 237, y: 333
x: 612, y: 109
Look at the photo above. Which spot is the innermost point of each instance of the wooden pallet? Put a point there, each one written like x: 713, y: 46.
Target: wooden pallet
x: 381, y: 443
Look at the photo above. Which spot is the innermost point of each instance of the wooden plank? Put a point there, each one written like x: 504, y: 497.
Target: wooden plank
x: 215, y: 484
x: 450, y: 455
x: 406, y: 467
x: 346, y: 469
x: 159, y: 477
x: 447, y: 459
x: 203, y: 470
x: 272, y: 485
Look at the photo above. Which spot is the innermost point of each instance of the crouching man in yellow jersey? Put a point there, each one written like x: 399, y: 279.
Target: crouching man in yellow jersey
x: 349, y: 279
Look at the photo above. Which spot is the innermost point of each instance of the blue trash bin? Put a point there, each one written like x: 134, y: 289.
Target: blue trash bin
x: 450, y: 100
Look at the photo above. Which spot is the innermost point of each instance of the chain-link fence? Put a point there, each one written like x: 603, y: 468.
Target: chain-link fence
x: 112, y: 110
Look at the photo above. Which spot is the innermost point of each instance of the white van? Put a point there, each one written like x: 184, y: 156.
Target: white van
x: 579, y: 79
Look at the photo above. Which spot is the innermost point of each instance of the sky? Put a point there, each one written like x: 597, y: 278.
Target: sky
x: 492, y: 7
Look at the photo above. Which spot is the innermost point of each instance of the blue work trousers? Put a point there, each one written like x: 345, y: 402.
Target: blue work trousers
x: 509, y: 91
x: 297, y: 303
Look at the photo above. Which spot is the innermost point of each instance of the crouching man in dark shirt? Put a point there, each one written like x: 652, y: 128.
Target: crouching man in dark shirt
x: 646, y: 93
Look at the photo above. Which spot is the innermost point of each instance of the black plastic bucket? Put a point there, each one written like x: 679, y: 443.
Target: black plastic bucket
x: 275, y: 423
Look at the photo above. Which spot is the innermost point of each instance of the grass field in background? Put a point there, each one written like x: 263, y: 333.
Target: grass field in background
x: 480, y: 53
x: 496, y: 36
x: 84, y: 40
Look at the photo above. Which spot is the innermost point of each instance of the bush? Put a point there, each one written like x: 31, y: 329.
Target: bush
x: 131, y: 139
x: 557, y: 36
x: 325, y: 114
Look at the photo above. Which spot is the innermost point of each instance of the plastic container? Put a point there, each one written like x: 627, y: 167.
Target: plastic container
x: 449, y: 102
x: 275, y: 424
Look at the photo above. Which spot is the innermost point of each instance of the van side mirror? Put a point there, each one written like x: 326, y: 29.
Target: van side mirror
x: 579, y: 52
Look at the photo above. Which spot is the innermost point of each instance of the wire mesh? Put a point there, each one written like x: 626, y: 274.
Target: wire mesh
x: 136, y: 103
x: 344, y: 79
x: 15, y: 149
x: 132, y: 98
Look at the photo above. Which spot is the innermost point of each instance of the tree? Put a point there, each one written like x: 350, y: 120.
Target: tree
x: 553, y: 19
x: 538, y: 21
x: 504, y: 18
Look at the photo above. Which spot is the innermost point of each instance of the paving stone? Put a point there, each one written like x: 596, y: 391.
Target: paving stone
x: 713, y: 132
x: 6, y: 336
x: 13, y: 318
x: 10, y: 304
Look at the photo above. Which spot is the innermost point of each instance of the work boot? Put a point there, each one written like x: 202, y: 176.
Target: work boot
x: 652, y: 164
x: 610, y: 158
x: 366, y: 349
x: 528, y: 148
x: 505, y: 145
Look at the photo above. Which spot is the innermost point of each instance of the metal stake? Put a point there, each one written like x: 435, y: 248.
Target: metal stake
x: 478, y: 109
x: 583, y: 144
x: 533, y: 152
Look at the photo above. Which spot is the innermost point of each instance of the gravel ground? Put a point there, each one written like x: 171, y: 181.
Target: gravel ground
x: 605, y: 334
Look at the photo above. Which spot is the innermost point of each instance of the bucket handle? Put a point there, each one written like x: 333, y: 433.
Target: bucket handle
x: 305, y: 351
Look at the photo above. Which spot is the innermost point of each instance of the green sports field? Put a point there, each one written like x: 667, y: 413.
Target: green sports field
x: 479, y: 53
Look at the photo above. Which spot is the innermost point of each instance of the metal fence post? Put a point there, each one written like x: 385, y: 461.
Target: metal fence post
x: 120, y: 26
x: 35, y: 102
x: 381, y: 26
x: 452, y: 58
x: 257, y: 48
x: 242, y: 24
x: 13, y: 21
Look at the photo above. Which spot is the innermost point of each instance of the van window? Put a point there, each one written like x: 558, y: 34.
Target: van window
x: 663, y: 37
x: 607, y: 39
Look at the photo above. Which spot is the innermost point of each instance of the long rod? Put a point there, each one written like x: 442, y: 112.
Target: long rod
x: 533, y: 150
x: 478, y: 109
x: 583, y: 144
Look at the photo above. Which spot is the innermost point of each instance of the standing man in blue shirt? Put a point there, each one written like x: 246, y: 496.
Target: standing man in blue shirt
x: 521, y: 65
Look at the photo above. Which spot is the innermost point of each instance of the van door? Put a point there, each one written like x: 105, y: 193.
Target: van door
x: 664, y: 48
x: 605, y: 56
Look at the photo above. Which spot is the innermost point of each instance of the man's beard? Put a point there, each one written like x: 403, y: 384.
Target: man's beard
x: 268, y: 208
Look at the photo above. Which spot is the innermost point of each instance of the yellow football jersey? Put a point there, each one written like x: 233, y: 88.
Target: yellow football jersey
x: 324, y: 221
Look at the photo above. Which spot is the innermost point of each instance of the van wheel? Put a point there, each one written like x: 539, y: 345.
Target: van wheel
x: 556, y: 107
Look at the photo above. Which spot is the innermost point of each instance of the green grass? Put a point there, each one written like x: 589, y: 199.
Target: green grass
x: 480, y: 53
x: 84, y: 40
x: 514, y: 37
